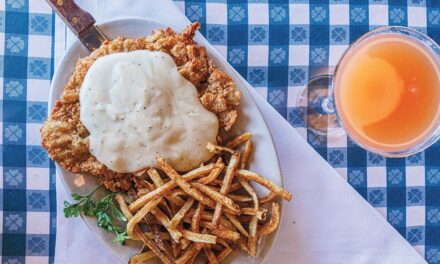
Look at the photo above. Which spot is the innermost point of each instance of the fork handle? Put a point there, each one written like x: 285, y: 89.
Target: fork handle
x: 76, y: 18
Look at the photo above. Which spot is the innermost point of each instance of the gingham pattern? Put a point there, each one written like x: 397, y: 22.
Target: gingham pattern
x: 276, y: 46
x: 27, y: 184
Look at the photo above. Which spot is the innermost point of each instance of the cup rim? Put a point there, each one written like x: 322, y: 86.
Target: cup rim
x: 434, y: 134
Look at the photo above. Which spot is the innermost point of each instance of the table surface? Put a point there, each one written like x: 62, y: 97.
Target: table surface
x: 277, y: 46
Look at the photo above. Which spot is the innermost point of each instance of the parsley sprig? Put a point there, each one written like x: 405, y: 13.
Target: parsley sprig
x: 105, y: 210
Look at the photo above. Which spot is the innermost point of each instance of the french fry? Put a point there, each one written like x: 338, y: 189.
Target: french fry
x: 142, y: 192
x: 141, y: 214
x: 273, y: 223
x: 179, y: 192
x: 187, y: 187
x: 139, y: 258
x: 153, y: 220
x: 162, y: 235
x: 175, y: 248
x: 252, y: 240
x: 184, y: 243
x: 175, y: 200
x: 246, y: 185
x: 244, y: 164
x: 237, y: 141
x: 167, y: 208
x: 166, y: 247
x: 140, y: 173
x: 123, y: 206
x: 199, y: 172
x: 218, y: 197
x: 235, y: 186
x: 268, y: 198
x: 216, y: 182
x: 218, y: 168
x: 195, y: 224
x: 208, y: 216
x: 205, y: 231
x: 155, y: 177
x: 197, y: 237
x: 253, y: 224
x: 223, y: 232
x: 227, y: 181
x: 175, y: 221
x: 234, y: 220
x: 147, y: 241
x: 223, y: 221
x: 240, y: 198
x: 213, y: 148
x: 197, y: 216
x: 191, y: 261
x: 223, y: 254
x: 157, y: 237
x: 165, y: 221
x: 260, y: 213
x: 137, y: 204
x: 175, y: 208
x: 210, y: 256
x: 207, y: 223
x: 149, y: 185
x: 222, y: 242
x: 188, y: 255
x: 241, y: 243
x: 152, y: 245
x: 252, y: 176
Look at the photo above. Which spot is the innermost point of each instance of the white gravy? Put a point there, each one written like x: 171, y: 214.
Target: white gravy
x: 137, y: 106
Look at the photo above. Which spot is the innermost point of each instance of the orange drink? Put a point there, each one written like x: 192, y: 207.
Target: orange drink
x: 387, y: 92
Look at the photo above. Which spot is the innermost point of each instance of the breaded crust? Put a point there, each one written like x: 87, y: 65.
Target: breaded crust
x: 65, y: 137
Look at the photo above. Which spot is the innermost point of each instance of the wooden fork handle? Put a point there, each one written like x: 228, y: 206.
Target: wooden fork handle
x: 76, y: 18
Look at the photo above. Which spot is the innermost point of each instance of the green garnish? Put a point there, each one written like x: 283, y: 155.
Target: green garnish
x: 105, y: 210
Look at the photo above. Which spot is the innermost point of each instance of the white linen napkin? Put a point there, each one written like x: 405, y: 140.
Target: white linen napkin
x: 327, y: 221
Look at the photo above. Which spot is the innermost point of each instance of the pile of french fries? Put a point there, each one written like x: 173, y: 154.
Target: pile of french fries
x: 208, y: 211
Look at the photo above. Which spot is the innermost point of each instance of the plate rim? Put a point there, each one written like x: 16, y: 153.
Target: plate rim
x: 244, y: 88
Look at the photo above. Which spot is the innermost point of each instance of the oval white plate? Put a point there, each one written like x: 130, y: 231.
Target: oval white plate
x: 264, y: 159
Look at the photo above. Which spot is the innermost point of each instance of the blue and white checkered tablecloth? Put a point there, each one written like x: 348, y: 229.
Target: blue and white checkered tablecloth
x: 277, y: 46
x: 27, y: 185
